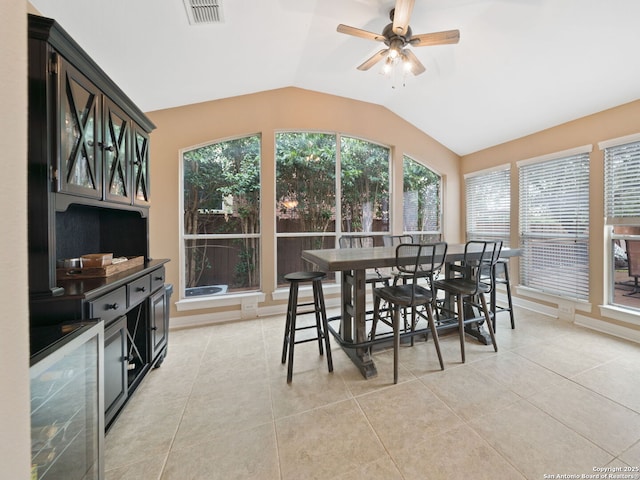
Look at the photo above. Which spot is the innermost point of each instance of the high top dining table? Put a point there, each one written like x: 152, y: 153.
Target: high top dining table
x: 353, y: 263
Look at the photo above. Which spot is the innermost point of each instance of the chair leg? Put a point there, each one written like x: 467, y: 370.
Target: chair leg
x: 292, y: 331
x: 316, y: 307
x: 509, y: 300
x: 376, y: 317
x: 287, y: 327
x: 434, y: 334
x: 460, y: 301
x: 325, y: 326
x: 487, y: 316
x: 396, y: 341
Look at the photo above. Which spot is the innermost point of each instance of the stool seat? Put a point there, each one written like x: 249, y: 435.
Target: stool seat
x: 304, y: 276
x: 318, y: 309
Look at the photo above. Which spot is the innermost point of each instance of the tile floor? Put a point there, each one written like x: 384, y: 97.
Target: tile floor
x: 555, y: 400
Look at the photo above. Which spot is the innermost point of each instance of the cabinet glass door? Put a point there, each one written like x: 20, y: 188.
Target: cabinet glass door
x: 79, y: 170
x: 116, y: 153
x: 141, y: 168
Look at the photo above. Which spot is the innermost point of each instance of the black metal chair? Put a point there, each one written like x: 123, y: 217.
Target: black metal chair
x: 472, y: 280
x: 394, y: 241
x: 426, y: 261
x: 321, y: 324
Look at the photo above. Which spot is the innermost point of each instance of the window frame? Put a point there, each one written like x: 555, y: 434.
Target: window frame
x: 429, y: 234
x: 577, y: 272
x: 231, y: 298
x: 497, y: 177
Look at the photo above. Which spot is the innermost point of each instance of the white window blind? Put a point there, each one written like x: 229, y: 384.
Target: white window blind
x: 554, y: 225
x: 622, y: 184
x: 488, y: 204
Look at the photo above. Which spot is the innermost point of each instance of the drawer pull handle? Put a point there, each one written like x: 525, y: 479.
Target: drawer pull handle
x: 158, y: 278
x: 142, y: 289
x: 154, y: 329
x: 112, y: 306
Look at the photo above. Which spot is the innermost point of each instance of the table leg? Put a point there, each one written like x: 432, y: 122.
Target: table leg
x: 354, y: 318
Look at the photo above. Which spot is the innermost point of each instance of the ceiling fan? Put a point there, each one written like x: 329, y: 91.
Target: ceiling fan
x: 397, y: 36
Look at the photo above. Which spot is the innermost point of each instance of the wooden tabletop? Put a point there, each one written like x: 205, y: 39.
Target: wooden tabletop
x: 341, y: 259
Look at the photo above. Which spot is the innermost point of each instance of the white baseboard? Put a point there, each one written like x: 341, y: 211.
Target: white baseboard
x: 190, y: 321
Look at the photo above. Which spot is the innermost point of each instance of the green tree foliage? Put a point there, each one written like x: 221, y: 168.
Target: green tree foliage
x: 305, y: 172
x: 365, y: 184
x: 225, y: 176
x: 425, y: 187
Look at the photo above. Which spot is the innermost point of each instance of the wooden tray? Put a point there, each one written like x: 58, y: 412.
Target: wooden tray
x: 106, y: 271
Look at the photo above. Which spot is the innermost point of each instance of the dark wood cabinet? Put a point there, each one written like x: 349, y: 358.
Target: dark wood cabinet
x: 88, y: 185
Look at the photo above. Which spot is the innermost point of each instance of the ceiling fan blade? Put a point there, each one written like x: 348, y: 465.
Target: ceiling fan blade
x: 436, y: 38
x: 416, y: 66
x: 401, y: 16
x: 357, y: 32
x: 374, y: 59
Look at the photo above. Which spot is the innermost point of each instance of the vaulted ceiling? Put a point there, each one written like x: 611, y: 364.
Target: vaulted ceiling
x: 521, y: 65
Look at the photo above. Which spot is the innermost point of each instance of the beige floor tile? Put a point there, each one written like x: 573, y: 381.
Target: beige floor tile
x: 407, y: 415
x: 632, y: 457
x: 617, y: 380
x: 517, y: 373
x: 562, y: 357
x: 609, y: 425
x: 148, y: 469
x: 383, y: 469
x: 236, y: 455
x: 142, y: 431
x: 456, y: 454
x: 537, y: 444
x: 308, y: 390
x: 242, y: 408
x: 326, y: 442
x: 468, y: 392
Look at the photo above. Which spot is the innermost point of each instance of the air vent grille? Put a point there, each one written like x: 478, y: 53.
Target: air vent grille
x: 203, y: 12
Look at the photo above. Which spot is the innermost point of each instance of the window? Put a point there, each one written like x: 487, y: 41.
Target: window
x: 488, y: 204
x: 422, y: 198
x: 554, y: 223
x: 622, y: 212
x: 221, y: 217
x: 323, y: 193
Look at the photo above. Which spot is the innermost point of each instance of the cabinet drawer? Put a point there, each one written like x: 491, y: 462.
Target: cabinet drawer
x: 138, y: 290
x: 109, y: 306
x: 157, y: 279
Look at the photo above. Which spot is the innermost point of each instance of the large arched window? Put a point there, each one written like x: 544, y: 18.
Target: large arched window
x: 422, y: 201
x: 324, y: 192
x: 221, y: 217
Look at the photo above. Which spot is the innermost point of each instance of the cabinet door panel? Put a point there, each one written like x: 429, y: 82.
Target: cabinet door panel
x: 116, y: 152
x: 141, y: 167
x: 79, y: 170
x: 115, y: 368
x: 158, y: 323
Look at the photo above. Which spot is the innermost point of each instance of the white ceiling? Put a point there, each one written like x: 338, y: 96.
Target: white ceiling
x: 521, y: 65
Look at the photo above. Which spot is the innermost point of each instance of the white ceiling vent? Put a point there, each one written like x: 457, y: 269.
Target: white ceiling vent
x: 203, y: 12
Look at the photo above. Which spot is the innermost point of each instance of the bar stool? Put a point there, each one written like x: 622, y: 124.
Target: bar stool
x: 321, y: 326
x: 503, y: 265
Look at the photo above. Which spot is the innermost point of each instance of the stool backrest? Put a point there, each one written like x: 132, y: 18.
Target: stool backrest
x: 356, y: 241
x: 426, y: 261
x: 480, y: 258
x: 395, y: 240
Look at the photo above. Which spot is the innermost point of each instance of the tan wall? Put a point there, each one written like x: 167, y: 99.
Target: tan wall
x: 267, y: 113
x: 15, y: 445
x: 613, y: 123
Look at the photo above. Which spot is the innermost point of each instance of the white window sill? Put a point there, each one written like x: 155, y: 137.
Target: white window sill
x: 212, y: 301
x: 306, y: 291
x: 621, y: 314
